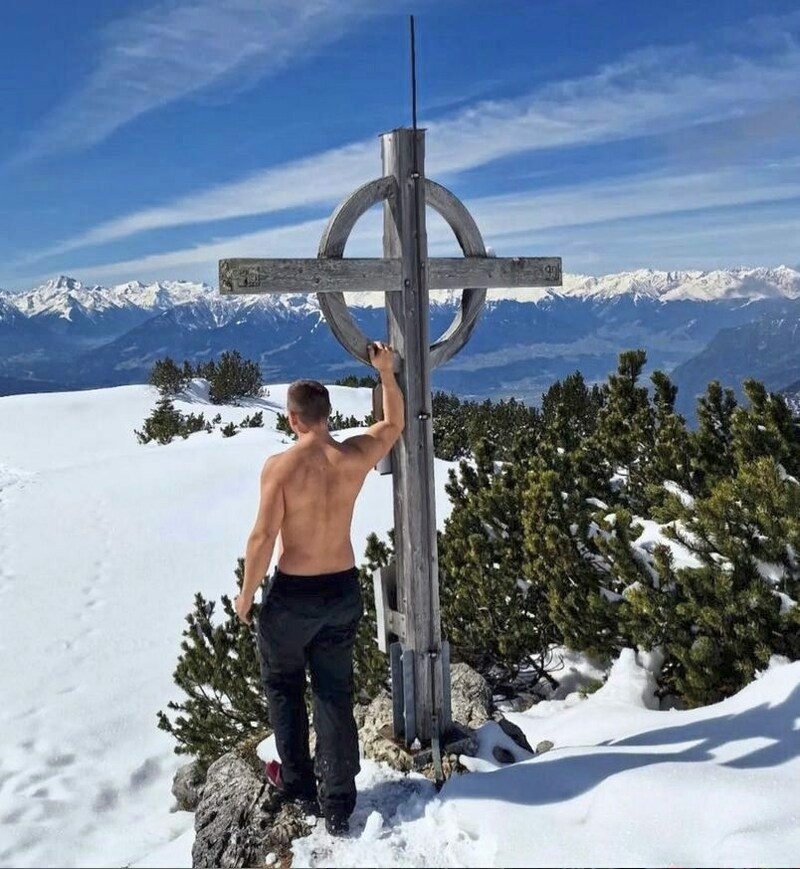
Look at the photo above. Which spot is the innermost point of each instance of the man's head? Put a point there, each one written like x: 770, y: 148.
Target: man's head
x: 308, y: 405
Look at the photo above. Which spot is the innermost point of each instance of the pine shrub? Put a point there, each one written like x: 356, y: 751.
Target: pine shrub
x: 233, y: 377
x: 168, y: 378
x: 166, y: 423
x: 218, y: 671
x: 354, y: 380
x: 254, y: 421
x: 494, y: 616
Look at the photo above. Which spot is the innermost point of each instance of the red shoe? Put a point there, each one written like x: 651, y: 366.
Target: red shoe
x: 307, y: 804
x: 272, y: 769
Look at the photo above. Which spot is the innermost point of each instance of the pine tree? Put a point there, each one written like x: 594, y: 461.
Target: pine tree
x: 163, y: 424
x: 712, y: 442
x: 569, y: 411
x: 233, y: 377
x: 625, y: 428
x: 560, y: 560
x: 494, y: 616
x: 724, y: 616
x: 254, y: 421
x: 167, y: 377
x: 670, y: 457
x: 219, y: 673
x: 765, y: 428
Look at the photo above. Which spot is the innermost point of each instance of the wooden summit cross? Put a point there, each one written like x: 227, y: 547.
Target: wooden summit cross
x: 407, y: 594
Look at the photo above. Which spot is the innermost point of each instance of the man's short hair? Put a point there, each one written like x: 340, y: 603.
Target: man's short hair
x: 310, y: 400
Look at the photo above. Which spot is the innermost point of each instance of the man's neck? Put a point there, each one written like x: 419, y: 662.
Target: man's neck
x: 319, y: 436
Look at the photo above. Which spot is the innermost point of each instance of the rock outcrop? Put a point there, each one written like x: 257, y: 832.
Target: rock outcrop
x: 238, y: 822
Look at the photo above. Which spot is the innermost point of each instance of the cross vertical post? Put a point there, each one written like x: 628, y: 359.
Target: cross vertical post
x: 407, y: 312
x: 406, y: 592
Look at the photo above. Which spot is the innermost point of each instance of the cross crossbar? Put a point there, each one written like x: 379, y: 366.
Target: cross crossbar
x: 382, y: 275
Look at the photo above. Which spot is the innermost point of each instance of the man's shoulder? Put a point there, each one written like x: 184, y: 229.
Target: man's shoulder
x: 277, y: 463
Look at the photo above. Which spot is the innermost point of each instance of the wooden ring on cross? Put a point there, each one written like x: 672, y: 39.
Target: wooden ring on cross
x: 333, y: 242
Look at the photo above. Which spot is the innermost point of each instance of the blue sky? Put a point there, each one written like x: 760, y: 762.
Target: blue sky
x: 145, y: 140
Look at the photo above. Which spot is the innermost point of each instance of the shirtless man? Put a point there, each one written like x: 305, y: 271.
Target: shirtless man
x: 312, y: 604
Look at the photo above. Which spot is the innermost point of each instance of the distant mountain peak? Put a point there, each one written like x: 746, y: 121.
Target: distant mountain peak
x: 747, y: 284
x: 62, y: 282
x: 65, y: 297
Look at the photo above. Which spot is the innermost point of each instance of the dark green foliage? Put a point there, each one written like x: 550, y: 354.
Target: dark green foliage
x: 336, y: 422
x: 166, y: 423
x: 370, y: 665
x: 569, y: 411
x: 712, y: 442
x: 558, y: 558
x: 207, y: 370
x: 218, y: 672
x: 282, y: 424
x: 354, y: 380
x: 254, y: 421
x: 230, y: 377
x: 669, y: 457
x: 721, y: 621
x: 765, y: 429
x: 494, y: 617
x: 233, y: 377
x: 168, y: 378
x: 459, y: 425
x: 623, y: 437
x: 716, y: 623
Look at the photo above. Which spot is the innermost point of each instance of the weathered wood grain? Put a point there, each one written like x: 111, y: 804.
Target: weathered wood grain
x: 477, y: 270
x: 332, y: 244
x: 328, y: 275
x: 309, y: 275
x: 412, y: 458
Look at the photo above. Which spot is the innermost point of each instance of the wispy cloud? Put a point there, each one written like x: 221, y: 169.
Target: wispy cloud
x: 155, y: 56
x: 523, y: 221
x: 647, y: 93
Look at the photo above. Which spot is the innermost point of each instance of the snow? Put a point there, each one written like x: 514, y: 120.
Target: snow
x: 624, y: 785
x: 103, y: 543
x: 61, y: 296
x: 680, y: 493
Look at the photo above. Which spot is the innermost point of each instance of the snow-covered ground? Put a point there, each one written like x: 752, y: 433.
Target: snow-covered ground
x: 103, y: 543
x: 624, y: 786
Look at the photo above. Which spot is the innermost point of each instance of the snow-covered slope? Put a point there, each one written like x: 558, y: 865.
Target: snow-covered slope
x: 103, y: 543
x: 623, y: 786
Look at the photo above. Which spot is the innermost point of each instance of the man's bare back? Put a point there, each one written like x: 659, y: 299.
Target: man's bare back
x: 308, y: 493
x: 320, y: 482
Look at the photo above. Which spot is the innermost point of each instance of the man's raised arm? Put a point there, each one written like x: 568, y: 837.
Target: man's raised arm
x: 262, y: 538
x: 382, y: 435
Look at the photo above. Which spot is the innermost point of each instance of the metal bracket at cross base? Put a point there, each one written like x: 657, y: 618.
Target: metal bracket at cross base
x: 406, y: 593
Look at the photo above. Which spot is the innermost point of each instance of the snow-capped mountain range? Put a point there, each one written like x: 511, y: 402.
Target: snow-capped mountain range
x: 64, y: 334
x: 66, y: 297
